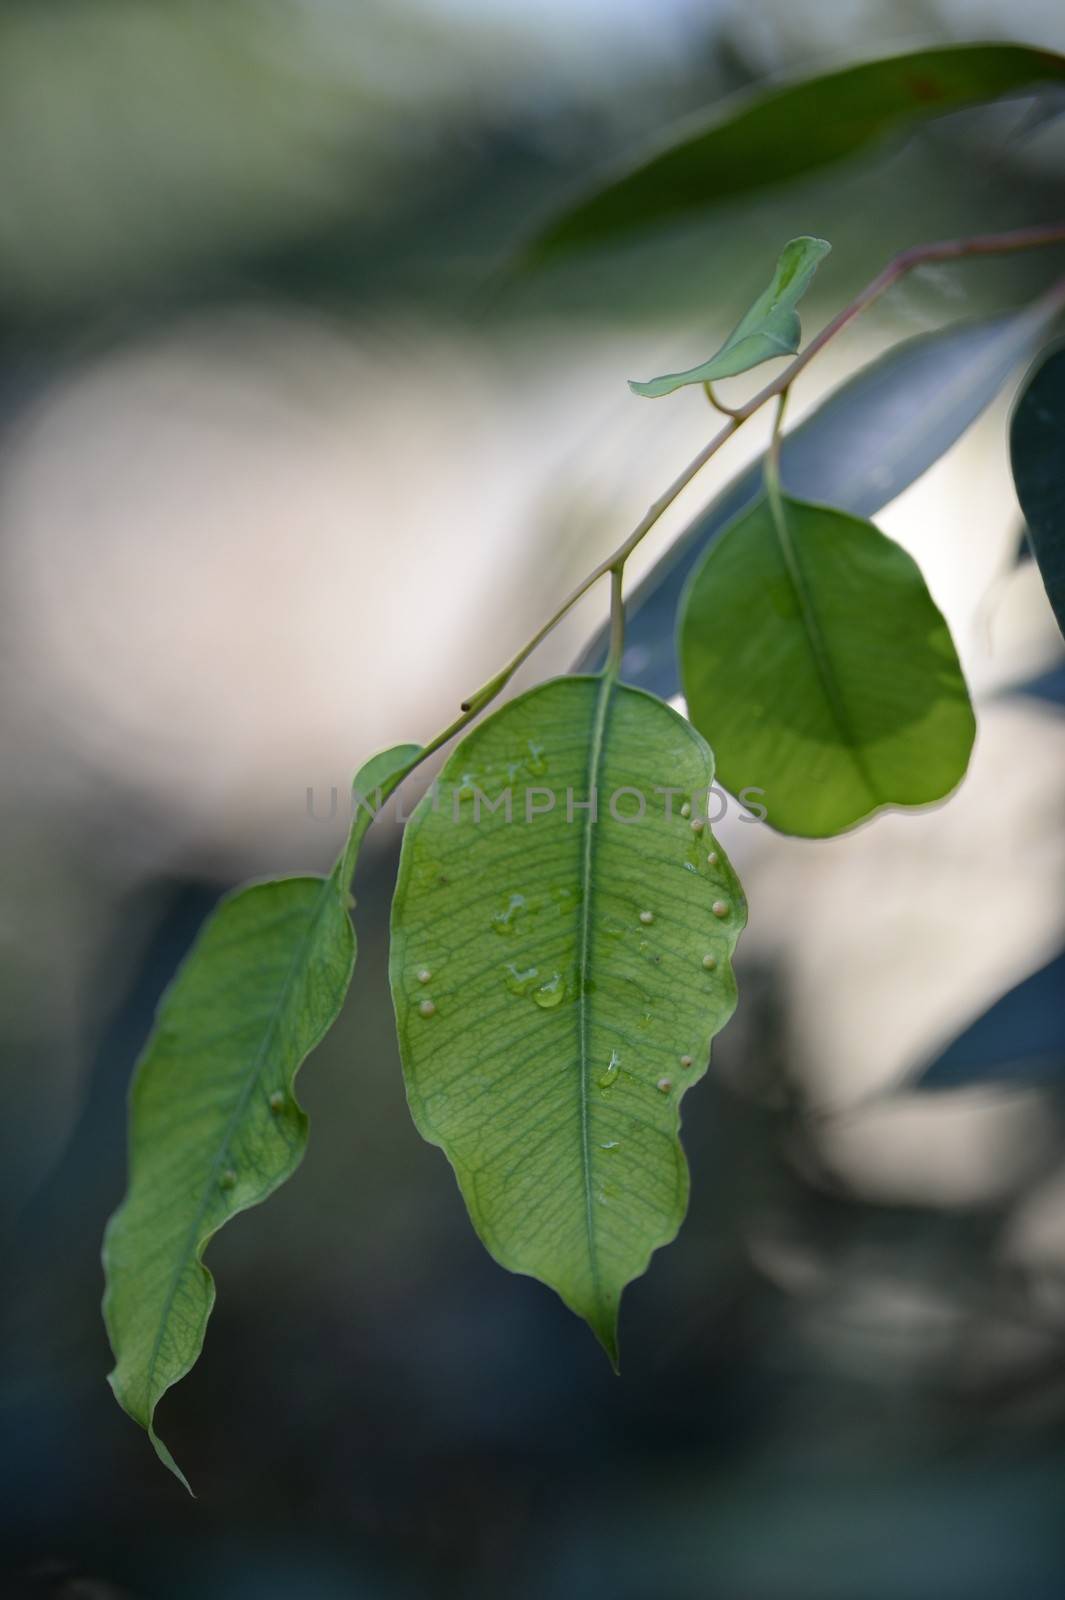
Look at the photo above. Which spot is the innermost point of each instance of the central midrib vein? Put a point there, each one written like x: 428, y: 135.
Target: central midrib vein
x: 595, y: 753
x: 818, y: 649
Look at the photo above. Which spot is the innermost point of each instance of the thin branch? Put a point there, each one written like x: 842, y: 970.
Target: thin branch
x: 718, y: 404
x: 617, y: 622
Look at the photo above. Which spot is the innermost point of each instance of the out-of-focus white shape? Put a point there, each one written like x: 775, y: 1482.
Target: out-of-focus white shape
x: 960, y: 1150
x: 242, y: 559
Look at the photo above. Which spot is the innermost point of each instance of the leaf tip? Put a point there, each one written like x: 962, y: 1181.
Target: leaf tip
x: 605, y: 1327
x: 147, y: 1423
x: 168, y: 1461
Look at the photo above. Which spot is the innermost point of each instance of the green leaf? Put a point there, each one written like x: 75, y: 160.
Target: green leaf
x: 215, y: 1124
x: 557, y: 980
x: 770, y: 328
x: 1037, y: 452
x: 815, y: 659
x: 772, y: 135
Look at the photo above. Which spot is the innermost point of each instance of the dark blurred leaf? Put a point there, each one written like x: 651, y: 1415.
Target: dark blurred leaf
x: 1037, y: 452
x: 867, y: 442
x: 1022, y: 553
x: 816, y: 665
x: 780, y: 133
x: 1020, y: 1040
x: 771, y: 328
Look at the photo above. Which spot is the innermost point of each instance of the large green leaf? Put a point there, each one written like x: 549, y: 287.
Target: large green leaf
x: 1037, y: 451
x: 815, y: 659
x: 771, y: 328
x: 557, y: 980
x: 775, y: 134
x: 215, y: 1124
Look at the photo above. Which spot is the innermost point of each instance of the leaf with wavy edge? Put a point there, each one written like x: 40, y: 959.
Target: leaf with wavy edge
x: 215, y: 1124
x: 557, y: 980
x: 771, y: 328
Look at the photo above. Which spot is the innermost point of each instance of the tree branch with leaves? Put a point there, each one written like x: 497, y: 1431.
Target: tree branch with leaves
x: 564, y: 920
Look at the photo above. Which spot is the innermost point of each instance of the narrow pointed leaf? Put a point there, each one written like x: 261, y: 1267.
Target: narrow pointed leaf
x: 815, y: 659
x: 1037, y: 452
x: 1018, y: 1042
x: 861, y: 447
x: 772, y: 135
x: 215, y: 1124
x: 771, y: 328
x: 557, y: 980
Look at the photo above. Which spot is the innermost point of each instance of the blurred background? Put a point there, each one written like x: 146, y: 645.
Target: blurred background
x: 286, y: 469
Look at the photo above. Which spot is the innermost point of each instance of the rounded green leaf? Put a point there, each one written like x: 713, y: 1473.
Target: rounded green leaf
x: 814, y: 658
x: 1037, y: 452
x: 558, y: 977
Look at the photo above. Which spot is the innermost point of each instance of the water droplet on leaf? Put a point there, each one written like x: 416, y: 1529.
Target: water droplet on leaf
x: 536, y: 762
x: 610, y: 1072
x: 518, y: 980
x: 505, y: 921
x: 550, y: 994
